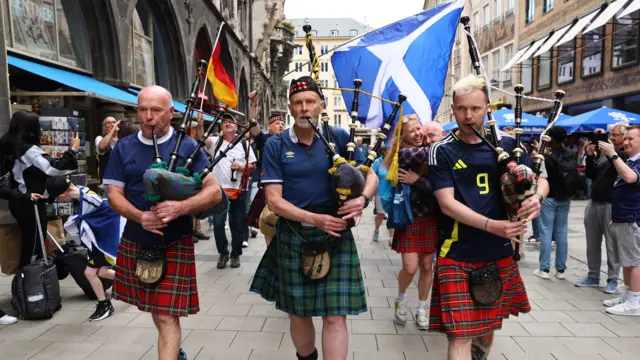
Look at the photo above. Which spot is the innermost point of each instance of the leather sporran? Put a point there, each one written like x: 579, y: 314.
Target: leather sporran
x: 315, y: 261
x: 485, y: 285
x: 151, y: 265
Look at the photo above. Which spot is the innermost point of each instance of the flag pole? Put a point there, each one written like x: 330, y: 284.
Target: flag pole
x: 206, y: 78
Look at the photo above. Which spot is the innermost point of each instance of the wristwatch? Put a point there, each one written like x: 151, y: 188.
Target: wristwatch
x: 366, y: 200
x: 613, y: 158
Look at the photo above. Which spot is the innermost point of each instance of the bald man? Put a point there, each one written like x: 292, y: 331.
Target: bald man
x: 163, y: 228
x: 105, y: 143
x: 432, y: 131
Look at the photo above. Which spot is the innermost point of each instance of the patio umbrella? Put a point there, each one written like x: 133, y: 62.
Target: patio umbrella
x: 598, y: 119
x: 505, y: 117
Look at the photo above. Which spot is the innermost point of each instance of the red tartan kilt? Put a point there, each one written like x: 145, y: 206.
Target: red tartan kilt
x: 175, y: 295
x: 255, y: 209
x: 419, y: 237
x: 454, y: 312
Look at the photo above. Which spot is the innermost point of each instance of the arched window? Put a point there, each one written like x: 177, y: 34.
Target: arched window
x: 148, y: 56
x: 48, y: 29
x: 203, y: 52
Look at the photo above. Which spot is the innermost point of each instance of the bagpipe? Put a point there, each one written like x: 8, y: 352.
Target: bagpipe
x: 164, y: 181
x: 517, y: 181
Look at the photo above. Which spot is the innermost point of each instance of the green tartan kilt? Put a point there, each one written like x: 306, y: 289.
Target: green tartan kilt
x: 279, y: 278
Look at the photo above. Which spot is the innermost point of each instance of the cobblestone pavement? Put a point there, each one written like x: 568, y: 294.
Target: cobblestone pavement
x: 566, y: 323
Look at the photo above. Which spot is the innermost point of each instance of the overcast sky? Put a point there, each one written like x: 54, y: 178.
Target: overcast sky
x: 376, y: 12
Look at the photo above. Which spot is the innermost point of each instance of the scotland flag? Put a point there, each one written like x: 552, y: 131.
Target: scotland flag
x: 409, y: 57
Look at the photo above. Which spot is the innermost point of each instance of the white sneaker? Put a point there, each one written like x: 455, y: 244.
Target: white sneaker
x: 422, y: 321
x: 624, y: 309
x: 560, y: 275
x: 541, y: 274
x: 245, y: 244
x: 613, y: 302
x: 401, y: 312
x: 8, y: 320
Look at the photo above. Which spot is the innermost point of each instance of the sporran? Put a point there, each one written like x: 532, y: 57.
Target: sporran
x: 151, y: 265
x: 485, y: 285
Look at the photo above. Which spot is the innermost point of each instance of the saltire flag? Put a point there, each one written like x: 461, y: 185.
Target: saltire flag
x: 410, y: 56
x: 96, y: 225
x: 220, y: 71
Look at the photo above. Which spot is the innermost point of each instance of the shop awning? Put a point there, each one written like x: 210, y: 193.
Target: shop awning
x: 536, y: 45
x: 573, y: 32
x: 515, y: 58
x: 84, y: 83
x: 607, y: 14
x: 552, y: 40
x: 633, y: 6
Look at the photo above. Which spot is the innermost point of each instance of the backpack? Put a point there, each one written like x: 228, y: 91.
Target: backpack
x: 567, y: 179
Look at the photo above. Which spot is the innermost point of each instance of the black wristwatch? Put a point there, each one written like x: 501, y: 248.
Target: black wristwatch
x: 366, y: 200
x: 613, y: 158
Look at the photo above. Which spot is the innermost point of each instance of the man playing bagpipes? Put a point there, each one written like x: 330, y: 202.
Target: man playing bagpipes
x: 311, y: 268
x: 477, y: 282
x: 157, y: 232
x: 229, y: 172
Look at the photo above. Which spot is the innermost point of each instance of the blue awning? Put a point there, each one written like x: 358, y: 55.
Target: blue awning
x: 77, y: 81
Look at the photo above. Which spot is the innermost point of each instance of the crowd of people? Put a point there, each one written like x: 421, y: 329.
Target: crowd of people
x: 460, y: 237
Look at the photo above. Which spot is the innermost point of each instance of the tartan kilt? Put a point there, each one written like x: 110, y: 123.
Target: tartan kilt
x: 175, y: 295
x: 454, y: 312
x: 279, y: 278
x: 255, y: 209
x: 420, y: 237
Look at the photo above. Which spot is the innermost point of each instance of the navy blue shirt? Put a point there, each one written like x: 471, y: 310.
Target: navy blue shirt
x: 130, y: 158
x: 259, y: 142
x: 473, y: 171
x: 625, y: 199
x: 302, y: 170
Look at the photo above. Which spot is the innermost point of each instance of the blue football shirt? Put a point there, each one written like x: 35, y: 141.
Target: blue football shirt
x: 625, y: 198
x: 130, y: 158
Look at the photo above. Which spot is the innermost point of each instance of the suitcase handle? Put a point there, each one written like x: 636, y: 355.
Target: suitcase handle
x: 42, y: 244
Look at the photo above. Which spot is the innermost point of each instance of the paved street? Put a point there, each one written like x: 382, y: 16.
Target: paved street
x: 566, y: 323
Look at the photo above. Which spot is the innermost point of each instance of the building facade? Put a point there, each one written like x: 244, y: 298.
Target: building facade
x: 78, y: 46
x: 327, y: 35
x: 580, y: 47
x: 493, y: 23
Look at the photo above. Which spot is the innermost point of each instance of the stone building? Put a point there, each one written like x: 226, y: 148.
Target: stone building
x: 90, y: 58
x: 588, y: 48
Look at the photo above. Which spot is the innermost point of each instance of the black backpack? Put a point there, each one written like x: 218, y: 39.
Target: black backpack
x: 567, y: 177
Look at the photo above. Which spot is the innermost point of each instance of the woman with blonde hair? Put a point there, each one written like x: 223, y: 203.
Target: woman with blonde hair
x: 418, y: 242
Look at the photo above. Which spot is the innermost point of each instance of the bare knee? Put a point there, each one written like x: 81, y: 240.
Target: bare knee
x: 334, y: 322
x: 164, y: 322
x: 103, y: 272
x: 426, y: 264
x: 409, y: 266
x: 90, y: 272
x: 459, y: 347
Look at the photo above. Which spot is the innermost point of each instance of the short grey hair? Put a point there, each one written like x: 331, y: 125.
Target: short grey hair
x: 470, y: 84
x: 621, y: 124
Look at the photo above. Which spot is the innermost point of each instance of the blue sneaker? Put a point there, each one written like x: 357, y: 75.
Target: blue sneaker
x: 588, y: 282
x: 612, y: 287
x: 182, y: 355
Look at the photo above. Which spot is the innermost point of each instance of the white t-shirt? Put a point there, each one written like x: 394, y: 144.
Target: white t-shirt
x: 98, y: 139
x: 222, y: 170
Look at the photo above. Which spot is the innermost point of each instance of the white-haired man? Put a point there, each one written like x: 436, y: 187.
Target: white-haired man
x: 476, y: 234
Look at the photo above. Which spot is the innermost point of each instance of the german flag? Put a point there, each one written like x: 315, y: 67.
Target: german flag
x: 220, y: 72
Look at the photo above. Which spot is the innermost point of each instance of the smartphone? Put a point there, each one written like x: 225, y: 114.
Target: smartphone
x: 600, y: 137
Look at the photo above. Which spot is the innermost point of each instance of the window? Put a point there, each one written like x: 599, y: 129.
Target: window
x: 495, y: 72
x: 485, y: 11
x: 592, y: 47
x: 625, y: 40
x: 309, y: 67
x: 324, y: 49
x: 544, y: 70
x: 566, y: 61
x: 335, y: 83
x: 508, y: 54
x: 353, y: 33
x: 334, y: 33
x: 298, y: 50
x: 548, y: 5
x: 41, y: 28
x: 336, y: 101
x: 324, y: 66
x: 288, y: 123
x: 510, y: 5
x: 476, y: 22
x: 497, y: 7
x: 485, y: 63
x: 337, y: 120
x: 530, y: 10
x: 143, y: 65
x: 325, y: 83
x: 527, y: 75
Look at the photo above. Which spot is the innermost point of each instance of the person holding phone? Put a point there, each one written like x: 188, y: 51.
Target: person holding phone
x: 597, y: 214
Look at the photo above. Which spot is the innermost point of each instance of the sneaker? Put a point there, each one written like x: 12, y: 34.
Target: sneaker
x: 422, y: 320
x: 541, y: 274
x: 8, y: 320
x: 588, y: 282
x: 245, y: 244
x: 222, y: 261
x: 182, y: 355
x: 401, y: 312
x: 532, y: 238
x: 376, y: 235
x: 613, y: 302
x: 210, y: 227
x: 560, y: 275
x: 235, y: 262
x: 104, y: 309
x: 254, y: 233
x: 200, y: 236
x: 624, y: 309
x: 612, y: 287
